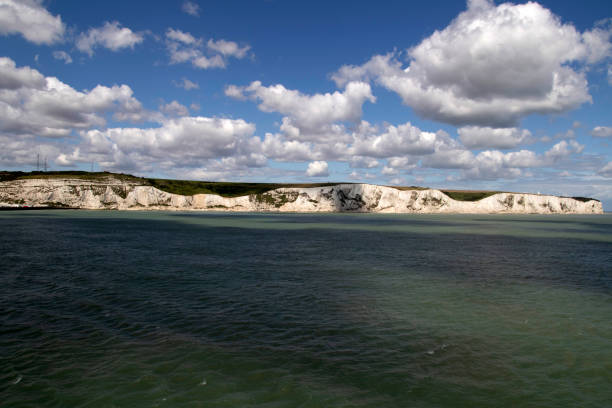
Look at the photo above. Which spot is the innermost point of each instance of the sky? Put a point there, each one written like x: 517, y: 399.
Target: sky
x: 483, y: 94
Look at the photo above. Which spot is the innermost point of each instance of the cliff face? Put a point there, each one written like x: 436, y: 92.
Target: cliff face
x: 112, y: 193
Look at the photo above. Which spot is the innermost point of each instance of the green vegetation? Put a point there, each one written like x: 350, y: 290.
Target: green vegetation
x: 467, y: 195
x: 224, y: 189
x: 182, y: 187
x: 407, y: 188
x: 585, y: 199
x: 74, y: 174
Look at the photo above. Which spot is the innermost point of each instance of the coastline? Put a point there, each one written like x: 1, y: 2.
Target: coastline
x: 116, y: 194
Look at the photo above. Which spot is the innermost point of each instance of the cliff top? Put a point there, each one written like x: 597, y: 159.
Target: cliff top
x: 224, y: 189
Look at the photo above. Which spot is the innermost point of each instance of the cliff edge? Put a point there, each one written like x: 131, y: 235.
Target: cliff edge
x: 121, y: 193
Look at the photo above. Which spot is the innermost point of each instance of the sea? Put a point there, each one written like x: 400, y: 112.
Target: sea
x: 192, y: 309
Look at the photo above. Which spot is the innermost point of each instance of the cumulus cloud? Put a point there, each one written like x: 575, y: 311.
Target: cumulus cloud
x: 13, y: 78
x: 30, y: 19
x: 179, y: 142
x: 389, y: 171
x: 191, y: 8
x: 174, y: 108
x: 597, y: 41
x: 228, y: 48
x: 216, y: 61
x: 111, y: 36
x: 360, y: 162
x: 404, y: 163
x: 568, y: 134
x: 602, y: 131
x: 235, y: 92
x: 182, y: 37
x: 492, y: 66
x: 186, y: 84
x: 22, y: 151
x: 393, y: 140
x: 606, y: 170
x: 184, y: 47
x: 475, y: 137
x: 275, y: 146
x: 309, y: 117
x: 317, y: 169
x: 62, y: 56
x: 31, y: 104
x: 493, y: 164
x: 563, y: 149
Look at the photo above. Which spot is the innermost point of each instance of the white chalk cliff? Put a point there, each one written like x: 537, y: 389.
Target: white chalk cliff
x: 112, y: 193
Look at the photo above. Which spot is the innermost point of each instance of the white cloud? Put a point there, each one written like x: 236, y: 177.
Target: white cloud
x: 62, y: 56
x: 404, y: 163
x: 186, y: 84
x: 610, y: 75
x: 216, y: 61
x: 309, y: 117
x: 31, y: 104
x: 174, y: 108
x: 493, y: 164
x: 392, y: 141
x: 606, y: 170
x: 377, y: 66
x: 492, y: 66
x: 22, y: 151
x: 317, y: 169
x: 563, y: 149
x: 274, y: 146
x: 235, y: 92
x: 228, y: 48
x: 181, y: 36
x: 475, y: 137
x: 360, y: 162
x: 191, y: 8
x: 184, y: 47
x: 13, y: 78
x: 30, y: 19
x: 111, y: 36
x: 180, y: 142
x: 449, y: 158
x: 389, y: 171
x: 602, y: 131
x: 597, y: 42
x: 568, y: 134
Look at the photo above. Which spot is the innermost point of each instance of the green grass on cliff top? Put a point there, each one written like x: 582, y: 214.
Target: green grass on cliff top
x: 224, y: 189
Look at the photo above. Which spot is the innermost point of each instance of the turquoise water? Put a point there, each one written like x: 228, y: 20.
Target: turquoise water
x: 155, y: 309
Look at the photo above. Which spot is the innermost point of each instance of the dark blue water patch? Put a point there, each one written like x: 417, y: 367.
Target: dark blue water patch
x: 160, y: 273
x: 376, y: 316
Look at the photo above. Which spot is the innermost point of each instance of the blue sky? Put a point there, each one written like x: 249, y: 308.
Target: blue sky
x: 477, y: 95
